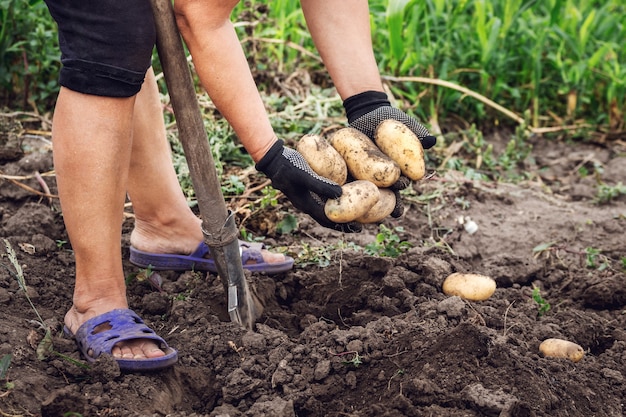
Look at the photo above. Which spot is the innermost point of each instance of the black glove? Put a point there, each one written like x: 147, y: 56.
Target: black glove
x: 307, y: 191
x: 365, y: 111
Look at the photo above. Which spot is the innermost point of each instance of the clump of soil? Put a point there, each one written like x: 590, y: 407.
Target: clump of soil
x: 364, y: 335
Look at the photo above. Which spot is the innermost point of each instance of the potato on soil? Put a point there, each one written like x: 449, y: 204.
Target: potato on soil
x: 365, y: 161
x: 356, y: 199
x: 323, y: 159
x: 559, y: 348
x: 383, y: 208
x: 400, y: 144
x: 472, y: 287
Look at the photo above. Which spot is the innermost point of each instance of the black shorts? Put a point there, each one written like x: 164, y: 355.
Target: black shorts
x: 106, y: 45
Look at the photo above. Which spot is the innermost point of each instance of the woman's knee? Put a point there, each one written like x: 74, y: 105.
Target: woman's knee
x: 193, y: 15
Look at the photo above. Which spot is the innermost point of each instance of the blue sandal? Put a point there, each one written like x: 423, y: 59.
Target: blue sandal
x: 199, y: 260
x: 124, y: 325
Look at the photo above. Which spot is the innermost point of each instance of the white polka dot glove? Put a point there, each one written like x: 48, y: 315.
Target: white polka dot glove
x: 307, y: 191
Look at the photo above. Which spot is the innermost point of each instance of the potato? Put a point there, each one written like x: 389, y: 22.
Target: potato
x: 399, y: 143
x: 559, y: 348
x: 323, y: 158
x: 358, y: 198
x: 383, y: 208
x: 472, y: 287
x: 365, y: 161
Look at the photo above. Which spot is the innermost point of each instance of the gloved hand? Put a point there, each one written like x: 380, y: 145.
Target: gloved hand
x: 307, y: 191
x: 365, y: 111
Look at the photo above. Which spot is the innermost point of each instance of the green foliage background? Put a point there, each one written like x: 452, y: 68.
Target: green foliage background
x: 555, y: 61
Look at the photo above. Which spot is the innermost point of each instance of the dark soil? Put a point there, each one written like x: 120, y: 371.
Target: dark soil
x: 364, y: 335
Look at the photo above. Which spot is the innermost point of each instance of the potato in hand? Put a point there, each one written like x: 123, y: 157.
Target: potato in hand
x: 323, y: 159
x: 364, y: 160
x: 383, y: 208
x: 357, y: 199
x: 400, y: 144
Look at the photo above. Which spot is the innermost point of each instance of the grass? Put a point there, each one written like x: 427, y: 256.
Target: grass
x: 465, y: 68
x: 558, y: 61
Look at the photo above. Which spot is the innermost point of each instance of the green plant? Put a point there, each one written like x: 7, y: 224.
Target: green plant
x: 269, y: 199
x: 543, y: 305
x: 388, y: 243
x: 288, y: 224
x: 314, y: 255
x: 607, y: 193
x: 148, y: 274
x: 29, y: 55
x: 5, y: 363
x: 595, y: 259
x: 232, y: 186
x: 356, y: 360
x: 322, y: 255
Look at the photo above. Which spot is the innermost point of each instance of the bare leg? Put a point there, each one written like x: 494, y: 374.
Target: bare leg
x: 164, y: 223
x: 92, y: 147
x: 224, y: 71
x: 342, y: 35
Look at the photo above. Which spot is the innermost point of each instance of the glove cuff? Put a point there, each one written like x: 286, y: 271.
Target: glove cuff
x: 363, y: 103
x: 265, y: 165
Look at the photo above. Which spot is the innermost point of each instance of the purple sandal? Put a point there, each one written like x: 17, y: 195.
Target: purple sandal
x: 124, y: 325
x: 251, y: 259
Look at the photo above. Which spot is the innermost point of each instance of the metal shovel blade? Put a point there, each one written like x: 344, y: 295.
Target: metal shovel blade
x: 218, y: 225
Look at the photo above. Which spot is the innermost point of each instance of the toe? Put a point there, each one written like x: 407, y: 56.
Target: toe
x: 271, y: 257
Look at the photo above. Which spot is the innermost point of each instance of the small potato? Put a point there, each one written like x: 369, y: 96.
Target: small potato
x: 383, y: 208
x: 365, y: 161
x: 559, y: 348
x: 323, y: 158
x: 402, y: 145
x: 472, y: 287
x: 357, y: 198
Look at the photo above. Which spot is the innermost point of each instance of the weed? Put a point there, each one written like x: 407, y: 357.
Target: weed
x: 233, y: 186
x: 544, y: 248
x: 5, y: 363
x: 316, y: 256
x: 356, y: 360
x: 181, y: 297
x: 595, y: 259
x: 148, y: 274
x: 288, y: 224
x: 388, y: 243
x: 543, y: 305
x: 607, y: 193
x: 270, y: 198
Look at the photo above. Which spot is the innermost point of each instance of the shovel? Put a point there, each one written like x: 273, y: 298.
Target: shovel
x: 218, y: 224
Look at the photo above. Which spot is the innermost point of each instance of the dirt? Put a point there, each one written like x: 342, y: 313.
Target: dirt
x: 364, y: 335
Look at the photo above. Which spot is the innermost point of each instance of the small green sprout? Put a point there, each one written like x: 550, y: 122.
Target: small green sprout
x: 544, y: 306
x: 388, y: 243
x: 355, y: 361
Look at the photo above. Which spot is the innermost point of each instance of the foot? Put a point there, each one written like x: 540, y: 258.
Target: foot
x: 162, y: 240
x: 129, y: 349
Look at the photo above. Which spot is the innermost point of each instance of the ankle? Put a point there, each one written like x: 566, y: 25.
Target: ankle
x: 177, y: 237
